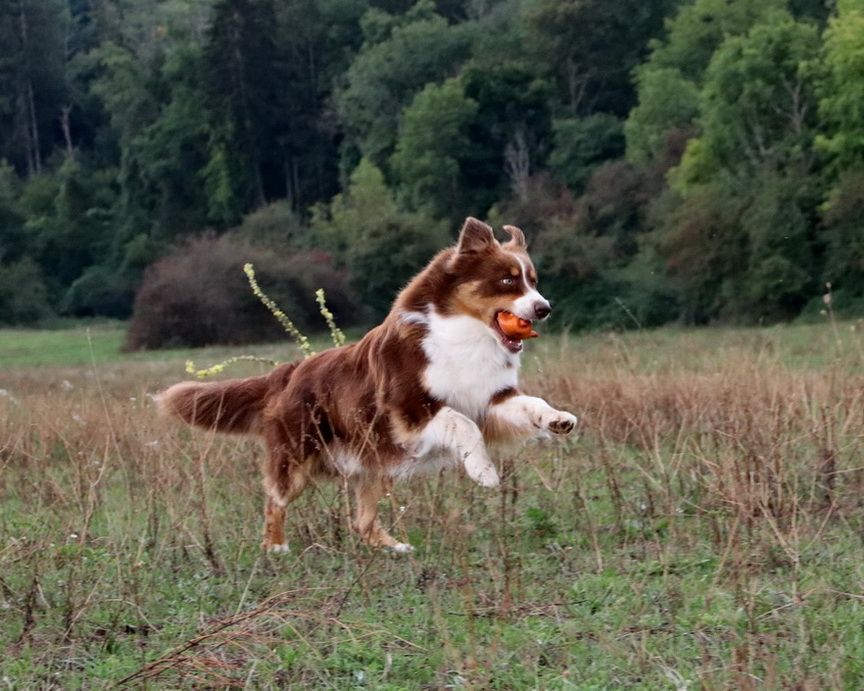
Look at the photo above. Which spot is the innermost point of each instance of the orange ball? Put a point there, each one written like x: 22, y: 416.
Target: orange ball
x: 514, y: 326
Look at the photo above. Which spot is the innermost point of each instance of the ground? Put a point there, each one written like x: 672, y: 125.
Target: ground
x: 703, y: 530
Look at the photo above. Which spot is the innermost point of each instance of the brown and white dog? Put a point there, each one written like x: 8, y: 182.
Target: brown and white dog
x: 424, y: 390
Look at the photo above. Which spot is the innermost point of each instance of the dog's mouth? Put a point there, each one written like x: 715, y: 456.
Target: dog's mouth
x: 512, y: 330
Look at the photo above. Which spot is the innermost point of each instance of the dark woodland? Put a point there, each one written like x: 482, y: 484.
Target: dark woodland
x: 695, y: 162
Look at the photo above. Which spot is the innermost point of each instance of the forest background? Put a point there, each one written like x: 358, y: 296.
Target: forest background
x: 691, y: 161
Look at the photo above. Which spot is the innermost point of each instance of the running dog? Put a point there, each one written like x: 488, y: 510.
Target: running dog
x: 426, y: 389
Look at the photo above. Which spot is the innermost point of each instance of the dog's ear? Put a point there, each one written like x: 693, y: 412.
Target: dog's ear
x: 517, y: 237
x: 475, y: 236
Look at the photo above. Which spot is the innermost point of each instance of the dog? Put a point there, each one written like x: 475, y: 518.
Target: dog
x: 426, y: 389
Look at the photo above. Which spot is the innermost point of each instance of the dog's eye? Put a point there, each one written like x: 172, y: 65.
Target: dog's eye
x: 508, y: 281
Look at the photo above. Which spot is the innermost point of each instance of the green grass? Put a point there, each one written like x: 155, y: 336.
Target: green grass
x: 682, y: 541
x: 102, y: 343
x: 72, y: 346
x: 796, y: 345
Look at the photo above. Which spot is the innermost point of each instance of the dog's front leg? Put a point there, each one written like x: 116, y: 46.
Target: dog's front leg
x: 523, y: 417
x: 368, y: 490
x: 454, y: 432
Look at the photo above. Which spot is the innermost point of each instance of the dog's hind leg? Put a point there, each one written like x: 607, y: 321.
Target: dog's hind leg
x: 280, y: 493
x: 368, y: 491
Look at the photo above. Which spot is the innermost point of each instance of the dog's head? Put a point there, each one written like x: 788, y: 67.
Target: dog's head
x: 490, y: 279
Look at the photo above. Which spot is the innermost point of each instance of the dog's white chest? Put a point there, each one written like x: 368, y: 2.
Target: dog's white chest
x: 466, y: 364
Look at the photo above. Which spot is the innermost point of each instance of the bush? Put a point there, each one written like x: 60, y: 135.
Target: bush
x: 199, y: 295
x: 23, y: 295
x: 274, y: 225
x: 99, y: 291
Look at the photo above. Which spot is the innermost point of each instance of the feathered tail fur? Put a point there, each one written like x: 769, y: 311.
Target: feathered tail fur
x: 233, y: 405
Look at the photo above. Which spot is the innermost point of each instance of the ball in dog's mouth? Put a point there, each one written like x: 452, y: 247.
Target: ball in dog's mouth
x: 512, y: 330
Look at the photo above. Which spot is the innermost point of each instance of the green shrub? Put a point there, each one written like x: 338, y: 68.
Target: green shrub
x: 379, y: 245
x: 23, y: 295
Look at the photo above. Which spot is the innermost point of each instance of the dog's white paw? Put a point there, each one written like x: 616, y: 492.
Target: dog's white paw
x: 488, y: 478
x: 279, y: 549
x: 561, y: 422
x: 401, y: 548
x: 480, y: 468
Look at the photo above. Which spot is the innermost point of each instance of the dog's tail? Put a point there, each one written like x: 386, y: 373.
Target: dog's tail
x: 233, y: 405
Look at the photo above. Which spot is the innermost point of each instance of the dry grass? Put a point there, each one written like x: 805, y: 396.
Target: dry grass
x: 704, y: 530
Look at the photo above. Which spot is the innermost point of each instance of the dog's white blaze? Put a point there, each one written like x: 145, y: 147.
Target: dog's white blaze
x: 449, y: 438
x: 524, y: 306
x: 529, y: 414
x: 467, y: 364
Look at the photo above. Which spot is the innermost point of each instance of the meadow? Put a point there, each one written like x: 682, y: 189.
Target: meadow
x: 704, y: 530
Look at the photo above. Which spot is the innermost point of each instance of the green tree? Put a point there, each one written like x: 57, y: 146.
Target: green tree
x: 778, y: 280
x: 23, y: 295
x: 842, y: 88
x: 398, y: 58
x: 704, y: 248
x: 13, y: 241
x: 33, y: 86
x: 69, y: 221
x: 667, y: 83
x: 510, y: 135
x: 581, y: 144
x: 433, y: 139
x: 667, y: 101
x: 590, y: 48
x: 242, y: 73
x: 843, y: 217
x: 169, y: 154
x: 380, y: 245
x: 758, y: 102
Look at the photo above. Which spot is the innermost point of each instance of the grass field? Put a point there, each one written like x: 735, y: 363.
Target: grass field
x: 704, y: 531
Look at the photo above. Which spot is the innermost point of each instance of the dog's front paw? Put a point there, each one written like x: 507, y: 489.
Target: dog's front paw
x: 561, y: 422
x: 481, y: 469
x: 487, y: 478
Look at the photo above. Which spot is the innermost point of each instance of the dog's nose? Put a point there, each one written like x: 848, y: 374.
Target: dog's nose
x: 542, y: 309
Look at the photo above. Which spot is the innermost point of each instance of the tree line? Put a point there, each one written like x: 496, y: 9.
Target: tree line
x: 674, y: 160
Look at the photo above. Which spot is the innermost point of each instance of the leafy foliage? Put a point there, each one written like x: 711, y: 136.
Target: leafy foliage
x: 433, y: 139
x: 688, y: 160
x: 581, y: 144
x: 399, y: 57
x: 842, y: 103
x: 382, y: 245
x: 844, y: 237
x: 758, y: 101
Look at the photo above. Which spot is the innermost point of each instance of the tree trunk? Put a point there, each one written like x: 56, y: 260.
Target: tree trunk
x: 67, y: 132
x: 34, y: 156
x: 517, y: 161
x: 240, y: 76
